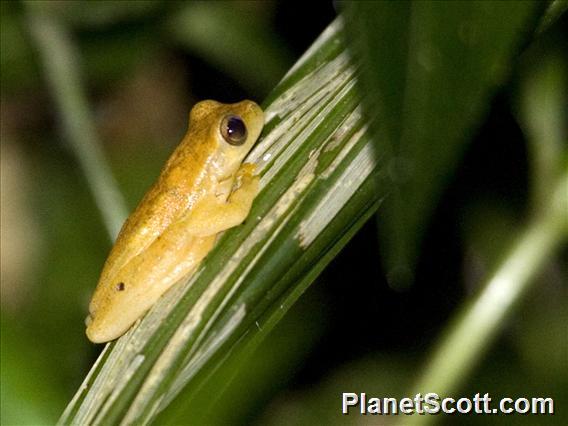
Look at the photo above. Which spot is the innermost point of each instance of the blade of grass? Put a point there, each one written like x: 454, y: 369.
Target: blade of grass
x: 555, y: 9
x: 196, y: 401
x: 542, y: 112
x: 313, y: 158
x: 60, y: 58
x: 428, y: 71
x: 471, y: 333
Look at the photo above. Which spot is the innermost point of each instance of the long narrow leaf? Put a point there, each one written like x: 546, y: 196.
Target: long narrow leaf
x: 318, y: 182
x: 428, y: 71
x: 63, y: 76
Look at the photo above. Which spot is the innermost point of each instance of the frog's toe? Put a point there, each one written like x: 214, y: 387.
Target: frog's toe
x: 246, y: 169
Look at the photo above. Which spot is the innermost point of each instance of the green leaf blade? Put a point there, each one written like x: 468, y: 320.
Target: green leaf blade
x: 314, y: 157
x: 428, y: 70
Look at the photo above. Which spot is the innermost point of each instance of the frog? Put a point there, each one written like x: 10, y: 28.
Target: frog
x: 204, y: 188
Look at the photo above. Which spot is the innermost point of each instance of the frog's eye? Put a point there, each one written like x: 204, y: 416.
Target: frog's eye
x: 233, y: 130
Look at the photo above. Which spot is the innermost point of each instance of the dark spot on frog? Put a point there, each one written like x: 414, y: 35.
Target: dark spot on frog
x: 120, y: 287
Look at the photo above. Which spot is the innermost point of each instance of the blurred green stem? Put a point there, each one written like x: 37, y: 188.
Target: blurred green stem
x: 542, y: 115
x: 62, y: 72
x: 555, y: 9
x: 463, y: 345
x: 471, y: 334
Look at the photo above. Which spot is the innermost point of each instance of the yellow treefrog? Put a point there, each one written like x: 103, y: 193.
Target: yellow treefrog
x: 202, y: 190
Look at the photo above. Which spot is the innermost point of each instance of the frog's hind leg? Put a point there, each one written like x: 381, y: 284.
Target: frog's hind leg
x: 140, y: 283
x: 172, y: 256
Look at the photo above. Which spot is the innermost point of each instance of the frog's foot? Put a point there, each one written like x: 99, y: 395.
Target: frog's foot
x: 246, y: 169
x: 245, y: 182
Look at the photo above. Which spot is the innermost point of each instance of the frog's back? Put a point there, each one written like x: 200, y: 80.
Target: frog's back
x: 180, y: 184
x: 174, y: 194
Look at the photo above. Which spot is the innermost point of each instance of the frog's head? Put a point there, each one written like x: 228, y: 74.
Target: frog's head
x: 231, y: 131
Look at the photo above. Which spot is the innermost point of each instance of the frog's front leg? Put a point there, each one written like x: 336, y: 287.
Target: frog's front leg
x: 212, y: 216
